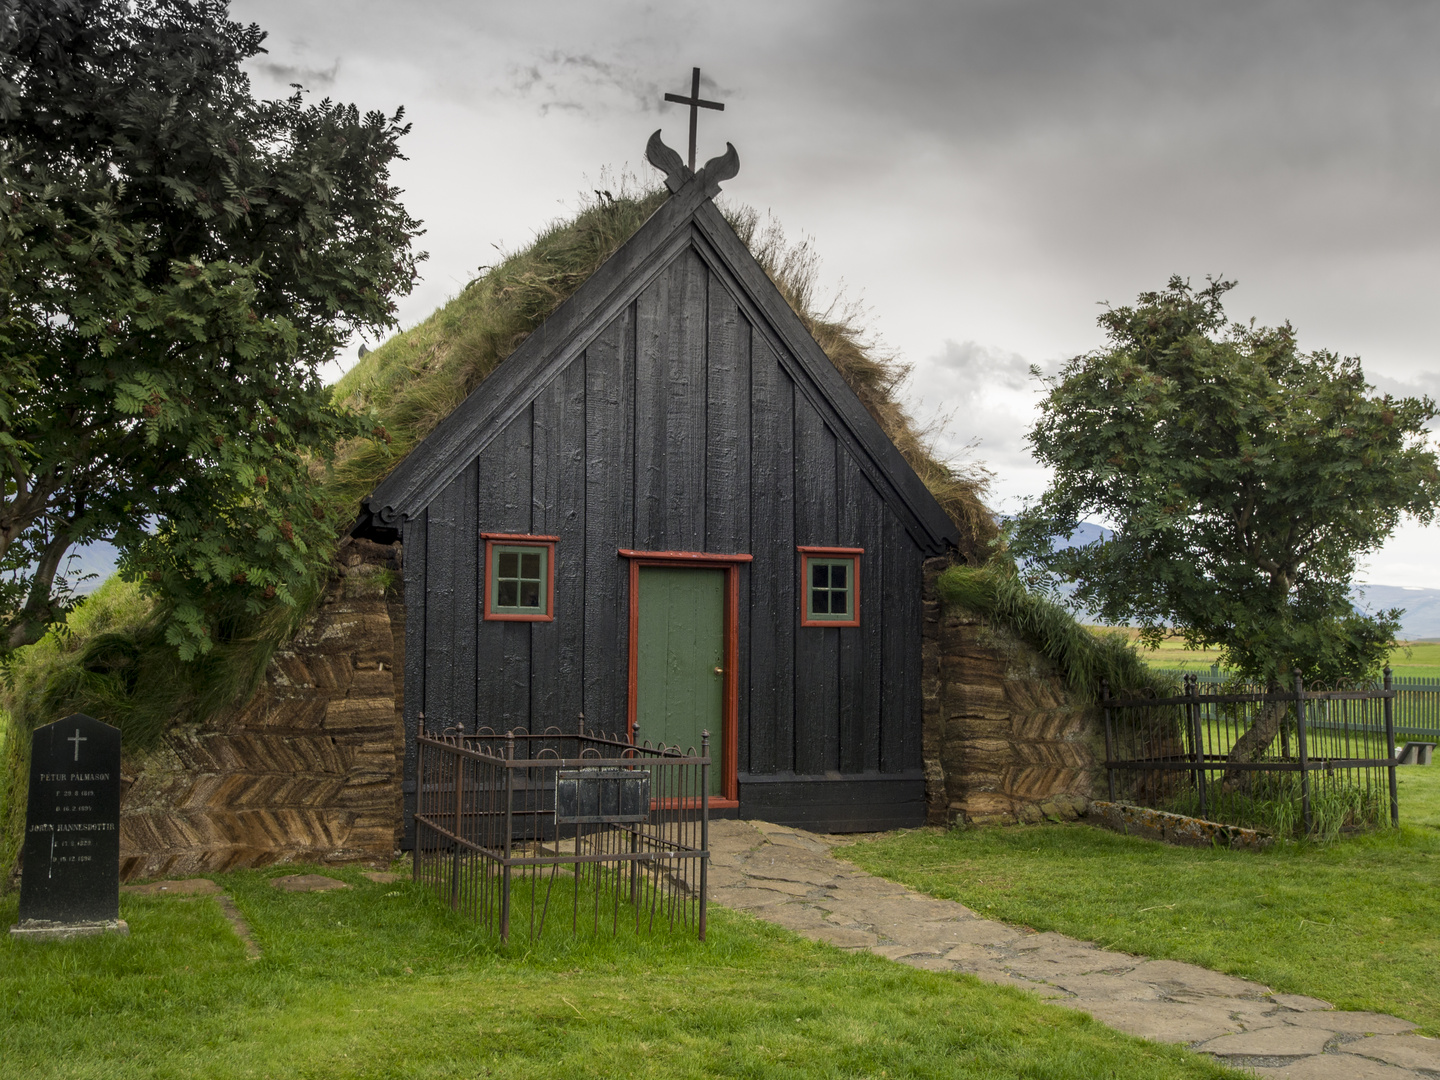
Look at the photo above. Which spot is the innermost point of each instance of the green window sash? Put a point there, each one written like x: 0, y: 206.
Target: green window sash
x: 518, y: 580
x: 830, y: 590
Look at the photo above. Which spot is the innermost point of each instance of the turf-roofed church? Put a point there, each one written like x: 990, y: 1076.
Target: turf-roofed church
x: 667, y: 509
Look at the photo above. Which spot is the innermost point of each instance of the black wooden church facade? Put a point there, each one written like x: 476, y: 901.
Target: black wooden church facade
x: 667, y: 507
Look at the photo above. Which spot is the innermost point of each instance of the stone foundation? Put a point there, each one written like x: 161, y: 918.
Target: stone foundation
x: 1004, y: 741
x: 308, y: 771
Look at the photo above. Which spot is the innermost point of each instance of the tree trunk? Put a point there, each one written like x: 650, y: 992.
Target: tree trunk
x: 30, y: 622
x: 1254, y: 743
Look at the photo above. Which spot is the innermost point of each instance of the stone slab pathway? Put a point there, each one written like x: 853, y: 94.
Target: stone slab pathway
x: 790, y: 877
x: 306, y: 883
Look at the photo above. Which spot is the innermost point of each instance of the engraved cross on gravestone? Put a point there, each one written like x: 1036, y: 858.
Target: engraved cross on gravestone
x: 70, y: 878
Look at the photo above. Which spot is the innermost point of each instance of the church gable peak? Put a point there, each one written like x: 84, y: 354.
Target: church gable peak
x: 677, y: 174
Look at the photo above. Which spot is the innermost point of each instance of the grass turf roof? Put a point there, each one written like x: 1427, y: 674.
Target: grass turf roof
x: 418, y: 377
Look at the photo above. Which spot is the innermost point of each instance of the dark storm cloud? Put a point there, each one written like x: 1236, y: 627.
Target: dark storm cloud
x: 291, y: 74
x: 1299, y: 78
x: 584, y: 83
x: 1280, y: 111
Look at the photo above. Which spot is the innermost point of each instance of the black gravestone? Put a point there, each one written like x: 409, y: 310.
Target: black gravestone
x: 70, y: 881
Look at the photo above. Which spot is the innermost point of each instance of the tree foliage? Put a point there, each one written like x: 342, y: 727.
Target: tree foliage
x: 1243, y: 479
x: 178, y: 258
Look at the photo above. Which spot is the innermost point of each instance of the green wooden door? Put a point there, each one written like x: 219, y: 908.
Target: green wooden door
x: 681, y: 657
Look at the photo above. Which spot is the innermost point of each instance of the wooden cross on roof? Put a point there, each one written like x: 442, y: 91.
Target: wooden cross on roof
x: 696, y: 103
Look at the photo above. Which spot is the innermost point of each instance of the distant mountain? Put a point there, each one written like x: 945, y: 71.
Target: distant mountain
x: 1421, y: 606
x: 88, y: 565
x: 1085, y: 533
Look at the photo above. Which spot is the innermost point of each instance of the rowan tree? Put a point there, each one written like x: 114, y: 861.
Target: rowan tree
x: 178, y: 260
x: 1243, y: 479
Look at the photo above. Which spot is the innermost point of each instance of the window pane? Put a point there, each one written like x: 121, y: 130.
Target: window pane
x: 530, y: 594
x: 819, y: 575
x: 506, y: 593
x: 819, y: 601
x: 837, y: 576
x: 530, y: 565
x: 509, y: 564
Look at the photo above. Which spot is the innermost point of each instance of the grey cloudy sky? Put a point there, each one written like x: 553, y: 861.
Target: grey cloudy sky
x: 980, y: 173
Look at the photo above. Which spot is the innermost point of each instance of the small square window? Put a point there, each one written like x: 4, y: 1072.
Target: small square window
x: 520, y: 576
x: 831, y: 580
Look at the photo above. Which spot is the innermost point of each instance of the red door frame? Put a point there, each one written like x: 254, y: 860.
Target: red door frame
x: 730, y: 693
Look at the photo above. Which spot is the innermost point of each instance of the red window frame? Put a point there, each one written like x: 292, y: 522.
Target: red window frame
x: 506, y: 540
x: 806, y: 552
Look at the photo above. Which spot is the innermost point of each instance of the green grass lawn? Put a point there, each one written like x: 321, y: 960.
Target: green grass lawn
x: 1356, y: 922
x: 382, y: 980
x: 1418, y: 659
x: 1419, y: 795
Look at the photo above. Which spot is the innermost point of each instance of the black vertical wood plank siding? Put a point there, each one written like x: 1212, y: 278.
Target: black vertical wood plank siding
x: 900, y: 651
x: 513, y: 480
x: 727, y: 478
x: 443, y: 545
x: 743, y: 732
x: 727, y: 428
x: 651, y: 457
x: 629, y: 383
x: 466, y: 612
x: 817, y: 648
x: 862, y: 515
x: 670, y: 409
x: 773, y: 616
x: 413, y: 540
x: 609, y: 413
x: 909, y: 591
x: 815, y: 487
x: 545, y: 495
x: 558, y: 488
x: 685, y: 442
x: 489, y: 511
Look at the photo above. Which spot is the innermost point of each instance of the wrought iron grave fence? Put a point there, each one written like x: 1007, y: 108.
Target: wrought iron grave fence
x: 1295, y: 761
x: 589, y: 826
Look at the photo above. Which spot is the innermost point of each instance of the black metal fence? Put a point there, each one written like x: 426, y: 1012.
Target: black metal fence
x: 1416, y: 709
x: 590, y: 827
x: 1327, y: 765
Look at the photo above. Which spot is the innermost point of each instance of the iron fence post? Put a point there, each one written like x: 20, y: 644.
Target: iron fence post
x: 1109, y: 740
x: 1198, y: 739
x: 459, y: 774
x: 1390, y: 748
x: 415, y: 855
x: 634, y: 834
x: 1304, y: 752
x: 509, y: 816
x: 704, y: 825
